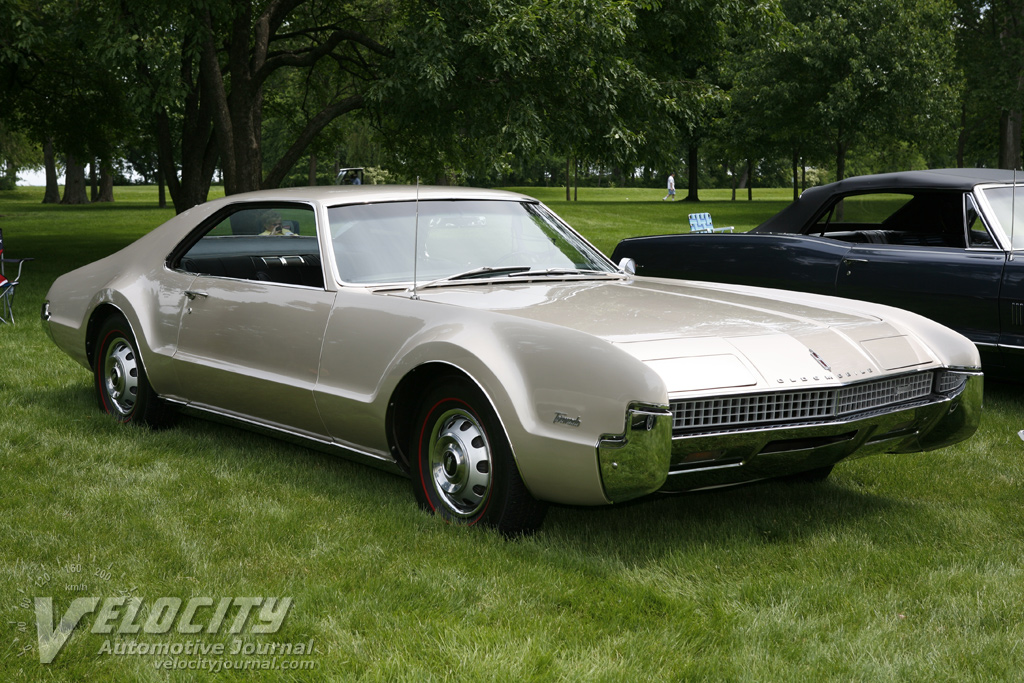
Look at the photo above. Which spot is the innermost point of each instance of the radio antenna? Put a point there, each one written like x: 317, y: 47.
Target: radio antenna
x: 1013, y: 209
x: 416, y: 240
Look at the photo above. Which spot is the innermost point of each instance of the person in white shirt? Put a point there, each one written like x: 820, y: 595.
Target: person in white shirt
x: 671, y: 187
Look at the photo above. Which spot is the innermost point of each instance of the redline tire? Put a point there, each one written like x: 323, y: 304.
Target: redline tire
x: 463, y: 467
x: 122, y: 388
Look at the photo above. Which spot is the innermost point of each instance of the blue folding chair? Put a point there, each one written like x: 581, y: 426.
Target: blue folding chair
x: 701, y: 222
x: 8, y: 285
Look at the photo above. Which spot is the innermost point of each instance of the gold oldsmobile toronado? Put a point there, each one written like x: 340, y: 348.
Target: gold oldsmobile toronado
x: 472, y: 341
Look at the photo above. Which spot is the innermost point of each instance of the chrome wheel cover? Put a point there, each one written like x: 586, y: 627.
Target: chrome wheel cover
x: 120, y: 376
x: 459, y: 463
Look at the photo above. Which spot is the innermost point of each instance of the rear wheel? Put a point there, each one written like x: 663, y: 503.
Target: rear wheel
x: 122, y: 387
x: 463, y: 468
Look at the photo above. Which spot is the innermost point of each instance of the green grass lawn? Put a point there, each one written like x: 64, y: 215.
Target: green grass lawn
x: 899, y: 568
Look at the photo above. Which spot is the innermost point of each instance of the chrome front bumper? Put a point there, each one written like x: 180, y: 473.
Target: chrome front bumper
x: 646, y: 457
x: 637, y: 461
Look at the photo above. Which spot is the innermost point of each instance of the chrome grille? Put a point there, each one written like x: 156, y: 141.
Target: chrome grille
x: 885, y: 392
x: 949, y: 382
x: 798, y: 406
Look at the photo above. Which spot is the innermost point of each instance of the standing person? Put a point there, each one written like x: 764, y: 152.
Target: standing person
x: 671, y: 187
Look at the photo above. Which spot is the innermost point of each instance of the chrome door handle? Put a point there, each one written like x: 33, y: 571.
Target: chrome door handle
x: 192, y: 295
x: 855, y: 260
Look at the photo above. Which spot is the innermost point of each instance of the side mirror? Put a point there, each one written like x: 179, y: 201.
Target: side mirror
x: 627, y: 266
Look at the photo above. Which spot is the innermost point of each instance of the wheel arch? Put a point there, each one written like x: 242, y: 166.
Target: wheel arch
x: 404, y: 403
x: 99, y: 315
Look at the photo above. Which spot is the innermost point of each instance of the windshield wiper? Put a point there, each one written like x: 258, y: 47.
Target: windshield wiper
x: 562, y: 271
x: 485, y: 271
x: 511, y: 271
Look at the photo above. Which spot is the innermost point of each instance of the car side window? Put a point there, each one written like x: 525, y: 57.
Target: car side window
x: 867, y: 210
x: 268, y: 243
x: 978, y: 236
x: 919, y: 219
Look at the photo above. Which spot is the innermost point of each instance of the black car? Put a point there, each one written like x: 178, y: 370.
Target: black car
x: 948, y: 244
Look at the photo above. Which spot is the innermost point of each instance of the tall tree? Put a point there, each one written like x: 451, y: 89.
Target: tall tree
x: 83, y: 111
x: 990, y: 42
x: 682, y: 47
x: 858, y: 70
x: 206, y: 64
x: 475, y: 83
x: 244, y: 44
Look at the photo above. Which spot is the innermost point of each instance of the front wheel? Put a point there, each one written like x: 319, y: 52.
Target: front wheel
x: 122, y: 387
x: 463, y: 465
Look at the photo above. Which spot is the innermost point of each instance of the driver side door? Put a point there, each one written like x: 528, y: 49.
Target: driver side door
x: 252, y: 327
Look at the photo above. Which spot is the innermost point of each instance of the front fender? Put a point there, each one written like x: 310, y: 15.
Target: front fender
x: 556, y: 390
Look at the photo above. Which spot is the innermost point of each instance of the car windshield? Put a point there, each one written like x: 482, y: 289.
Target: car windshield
x: 1008, y: 207
x: 374, y: 243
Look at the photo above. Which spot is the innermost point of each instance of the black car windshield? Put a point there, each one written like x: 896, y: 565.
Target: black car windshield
x: 1008, y: 207
x: 376, y: 243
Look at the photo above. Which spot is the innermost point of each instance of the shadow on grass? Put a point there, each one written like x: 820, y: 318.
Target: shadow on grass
x: 638, y: 532
x: 761, y: 513
x: 78, y: 398
x: 1004, y: 391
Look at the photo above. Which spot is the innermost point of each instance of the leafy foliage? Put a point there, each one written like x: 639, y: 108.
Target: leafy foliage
x: 856, y: 71
x: 263, y: 90
x: 475, y: 81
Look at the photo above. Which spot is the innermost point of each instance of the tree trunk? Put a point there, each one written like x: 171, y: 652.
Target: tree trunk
x: 840, y: 159
x: 692, y: 160
x: 576, y: 181
x: 214, y: 91
x: 961, y: 139
x: 74, y: 183
x: 94, y: 185
x: 52, y: 194
x: 106, y: 183
x: 198, y: 155
x: 796, y: 175
x: 732, y: 176
x: 312, y: 169
x: 568, y: 179
x: 161, y: 189
x: 1010, y: 139
x: 237, y: 114
x: 750, y: 180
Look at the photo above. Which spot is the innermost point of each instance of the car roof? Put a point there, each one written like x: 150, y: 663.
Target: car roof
x: 356, y: 194
x: 796, y: 215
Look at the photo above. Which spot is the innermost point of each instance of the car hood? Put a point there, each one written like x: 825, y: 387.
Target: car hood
x: 702, y: 336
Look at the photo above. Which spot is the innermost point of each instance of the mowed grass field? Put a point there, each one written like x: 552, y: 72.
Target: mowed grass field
x: 899, y: 568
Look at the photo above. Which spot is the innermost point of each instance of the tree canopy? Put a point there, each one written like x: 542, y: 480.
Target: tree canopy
x: 255, y: 92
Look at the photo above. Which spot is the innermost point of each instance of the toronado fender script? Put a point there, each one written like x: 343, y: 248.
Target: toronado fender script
x: 563, y: 419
